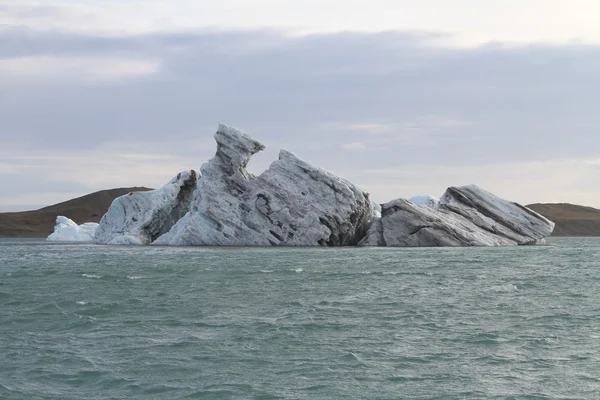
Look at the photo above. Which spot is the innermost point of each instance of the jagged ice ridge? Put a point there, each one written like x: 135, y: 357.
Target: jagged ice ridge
x: 294, y: 203
x: 291, y: 203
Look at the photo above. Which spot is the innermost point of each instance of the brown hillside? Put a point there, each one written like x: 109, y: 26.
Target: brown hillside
x: 570, y: 219
x: 40, y: 223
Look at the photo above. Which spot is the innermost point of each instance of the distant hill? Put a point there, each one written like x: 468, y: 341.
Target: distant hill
x: 40, y: 223
x: 570, y: 219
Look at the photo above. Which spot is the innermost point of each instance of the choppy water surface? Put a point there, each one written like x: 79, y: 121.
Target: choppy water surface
x: 84, y: 322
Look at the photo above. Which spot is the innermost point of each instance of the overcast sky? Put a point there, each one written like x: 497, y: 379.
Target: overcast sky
x: 401, y: 97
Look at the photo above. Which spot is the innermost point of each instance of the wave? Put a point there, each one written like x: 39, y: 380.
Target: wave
x: 92, y: 276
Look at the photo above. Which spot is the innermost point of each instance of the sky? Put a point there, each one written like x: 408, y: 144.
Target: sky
x: 400, y: 97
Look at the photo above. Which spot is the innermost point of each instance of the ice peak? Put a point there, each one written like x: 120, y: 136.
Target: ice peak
x: 235, y: 148
x: 284, y: 155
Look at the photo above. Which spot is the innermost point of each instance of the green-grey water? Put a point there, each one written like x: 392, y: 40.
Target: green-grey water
x: 94, y: 322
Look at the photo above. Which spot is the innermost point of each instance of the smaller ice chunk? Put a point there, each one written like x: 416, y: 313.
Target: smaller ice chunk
x: 66, y: 230
x: 139, y: 218
x: 464, y: 216
x: 426, y: 200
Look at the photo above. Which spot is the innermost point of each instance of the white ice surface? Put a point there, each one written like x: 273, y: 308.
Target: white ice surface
x: 66, y: 230
x: 426, y: 200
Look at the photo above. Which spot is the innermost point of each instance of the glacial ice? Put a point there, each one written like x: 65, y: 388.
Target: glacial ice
x: 426, y: 200
x: 66, y: 230
x: 292, y: 203
x: 464, y: 216
x: 141, y: 217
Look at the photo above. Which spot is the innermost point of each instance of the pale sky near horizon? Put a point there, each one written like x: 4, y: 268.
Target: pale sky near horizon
x: 401, y: 97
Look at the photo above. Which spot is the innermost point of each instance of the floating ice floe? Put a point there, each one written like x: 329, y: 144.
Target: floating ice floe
x: 66, y: 230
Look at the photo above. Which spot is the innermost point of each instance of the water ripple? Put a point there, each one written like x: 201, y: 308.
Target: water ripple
x: 216, y: 323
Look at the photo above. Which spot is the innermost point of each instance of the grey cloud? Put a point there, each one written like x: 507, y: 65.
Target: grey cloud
x: 525, y: 103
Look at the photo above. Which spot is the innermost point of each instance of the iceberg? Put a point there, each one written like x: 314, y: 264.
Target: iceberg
x: 464, y: 216
x: 141, y: 217
x: 293, y: 203
x: 66, y: 230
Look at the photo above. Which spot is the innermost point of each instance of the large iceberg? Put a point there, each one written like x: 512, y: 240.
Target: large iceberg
x: 66, y: 230
x: 464, y: 216
x: 291, y: 203
x: 141, y: 217
x: 294, y: 203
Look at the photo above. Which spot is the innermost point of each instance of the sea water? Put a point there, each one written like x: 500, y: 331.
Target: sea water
x: 96, y: 322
